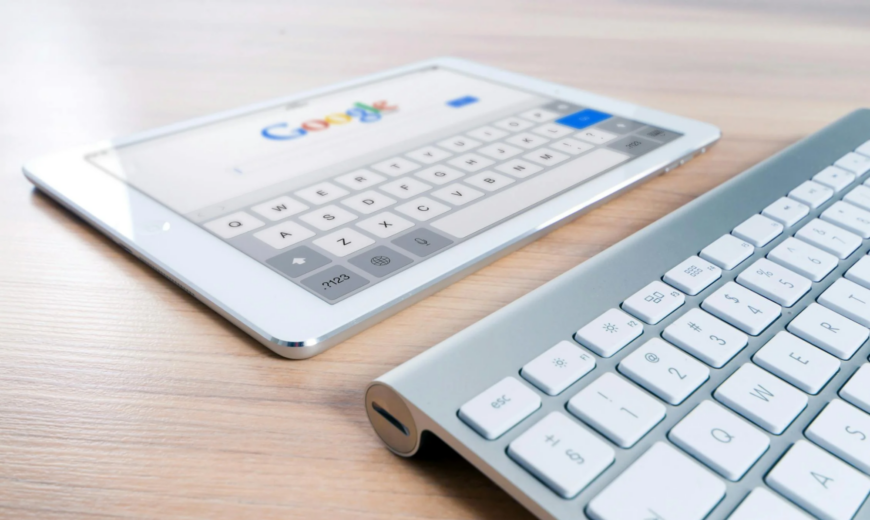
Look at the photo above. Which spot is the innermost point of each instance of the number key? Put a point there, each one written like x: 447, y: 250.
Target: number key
x: 664, y: 370
x: 711, y: 340
x: 803, y: 259
x: 742, y: 308
x: 775, y: 282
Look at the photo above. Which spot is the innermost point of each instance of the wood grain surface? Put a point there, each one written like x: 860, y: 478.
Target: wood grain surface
x: 123, y: 397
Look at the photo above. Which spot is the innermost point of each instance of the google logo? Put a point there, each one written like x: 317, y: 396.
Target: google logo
x: 364, y: 113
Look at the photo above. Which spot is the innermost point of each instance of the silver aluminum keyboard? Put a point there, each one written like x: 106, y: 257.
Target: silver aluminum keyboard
x: 713, y: 365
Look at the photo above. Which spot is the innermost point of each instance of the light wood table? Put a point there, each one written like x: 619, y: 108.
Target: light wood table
x: 121, y: 396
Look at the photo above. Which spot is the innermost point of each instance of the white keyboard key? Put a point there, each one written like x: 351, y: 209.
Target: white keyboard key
x: 487, y: 134
x: 500, y: 151
x: 864, y: 149
x: 859, y: 196
x: 818, y: 482
x: 662, y: 484
x: 774, y: 282
x: 742, y: 308
x: 344, y: 242
x: 693, y: 275
x: 562, y: 454
x: 786, y: 211
x: 758, y: 230
x: 829, y: 238
x: 860, y: 272
x: 762, y: 504
x: 405, y: 188
x: 804, y: 259
x: 553, y: 131
x: 545, y: 157
x: 423, y: 209
x: 666, y: 371
x: 233, y: 225
x: 654, y: 302
x: 811, y: 193
x: 368, y: 202
x: 471, y: 162
x: 829, y: 331
x: 279, y: 208
x: 617, y: 409
x: 834, y: 178
x: 518, y: 168
x: 609, y: 333
x: 457, y: 194
x: 844, y: 431
x: 571, y: 146
x: 321, y: 193
x: 499, y: 408
x: 439, y: 174
x: 396, y: 166
x: 360, y: 179
x: 385, y: 225
x: 727, y: 252
x: 595, y: 136
x: 797, y: 362
x: 328, y: 217
x: 854, y: 162
x: 724, y: 442
x: 762, y: 398
x: 459, y: 144
x: 428, y: 155
x: 514, y: 124
x: 852, y: 218
x: 527, y: 140
x: 539, y: 115
x: 489, y: 181
x: 284, y: 234
x: 558, y: 368
x: 849, y: 299
x: 857, y: 389
x: 707, y: 338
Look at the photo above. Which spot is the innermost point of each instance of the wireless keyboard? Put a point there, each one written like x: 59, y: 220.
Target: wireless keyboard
x: 711, y: 366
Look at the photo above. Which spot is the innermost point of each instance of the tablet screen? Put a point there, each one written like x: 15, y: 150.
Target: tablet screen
x: 340, y: 191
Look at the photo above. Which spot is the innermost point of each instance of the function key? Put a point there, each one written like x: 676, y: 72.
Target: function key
x: 811, y: 193
x: 513, y: 124
x: 693, y: 275
x: 233, y: 225
x: 558, y: 368
x: 396, y: 166
x: 335, y: 282
x: 459, y: 144
x: 385, y: 225
x: 360, y: 179
x: 854, y: 162
x: 762, y: 398
x: 298, y: 261
x: 654, y: 302
x: 609, y: 333
x: 428, y: 155
x: 422, y: 242
x: 499, y: 408
x: 321, y: 193
x: 380, y: 261
x: 634, y: 145
x: 859, y: 196
x: 834, y: 178
x: 279, y: 208
x: 539, y: 115
x: 727, y: 252
x: 786, y: 211
x: 619, y: 125
x: 487, y: 133
x: 758, y: 230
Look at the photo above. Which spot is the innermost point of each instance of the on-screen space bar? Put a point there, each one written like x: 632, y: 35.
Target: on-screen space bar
x: 517, y: 198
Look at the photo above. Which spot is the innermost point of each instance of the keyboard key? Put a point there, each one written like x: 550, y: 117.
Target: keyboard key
x: 662, y: 484
x: 864, y: 149
x: 277, y: 209
x: 774, y: 282
x: 558, y: 368
x: 439, y: 174
x: 343, y: 242
x: 405, y: 188
x: 797, y: 362
x: 860, y: 272
x: 428, y: 155
x: 724, y: 442
x: 617, y: 409
x: 666, y: 371
x: 609, y: 333
x: 335, y: 282
x: 368, y: 202
x: 595, y: 136
x: 527, y: 140
x: 385, y: 225
x: 834, y: 178
x: 829, y: 331
x: 727, y: 252
x: 786, y: 211
x: 758, y: 230
x: 284, y: 234
x: 553, y: 131
x: 471, y: 162
x: 457, y: 194
x: 298, y: 261
x: 571, y: 146
x: 804, y: 259
x: 712, y: 341
x: 762, y: 398
x: 360, y: 179
x: 422, y: 209
x: 518, y: 168
x: 562, y: 454
x: 321, y: 193
x: 763, y: 504
x: 396, y: 166
x: 854, y: 162
x: 859, y: 196
x: 849, y: 217
x: 742, y: 308
x: 459, y: 144
x: 539, y: 115
x: 233, y: 225
x: 849, y: 299
x: 857, y: 389
x: 513, y: 124
x: 489, y: 181
x: 654, y: 302
x: 811, y: 193
x: 545, y: 157
x: 843, y: 430
x: 818, y: 482
x: 500, y: 151
x: 487, y: 134
x: 380, y: 261
x: 328, y: 217
x: 422, y: 242
x: 829, y: 238
x: 693, y: 275
x: 499, y: 408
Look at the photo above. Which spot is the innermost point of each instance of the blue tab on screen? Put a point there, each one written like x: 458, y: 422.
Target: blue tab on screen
x: 583, y: 118
x: 461, y: 102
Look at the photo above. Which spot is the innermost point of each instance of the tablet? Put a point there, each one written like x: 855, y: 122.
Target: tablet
x: 305, y: 219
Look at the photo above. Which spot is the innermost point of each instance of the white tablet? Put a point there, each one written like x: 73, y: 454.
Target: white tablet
x: 305, y: 219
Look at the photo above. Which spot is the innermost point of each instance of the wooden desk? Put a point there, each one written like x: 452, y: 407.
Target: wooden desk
x: 121, y: 396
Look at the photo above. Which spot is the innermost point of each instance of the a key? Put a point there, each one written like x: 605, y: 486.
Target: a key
x: 829, y: 238
x: 617, y: 409
x: 693, y: 275
x: 849, y: 299
x: 562, y: 454
x: 654, y: 302
x: 857, y: 389
x: 609, y: 333
x: 762, y: 398
x: 786, y: 211
x: 662, y: 484
x: 763, y: 504
x: 844, y: 431
x: 811, y: 193
x: 758, y: 230
x: 742, y: 308
x: 828, y: 330
x: 797, y: 362
x: 724, y: 442
x: 707, y: 338
x: 559, y: 367
x: 804, y: 259
x: 664, y: 370
x: 499, y: 408
x: 854, y: 162
x: 860, y: 272
x: 774, y: 282
x: 859, y: 196
x: 818, y: 482
x: 834, y: 178
x: 727, y: 252
x: 849, y: 217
